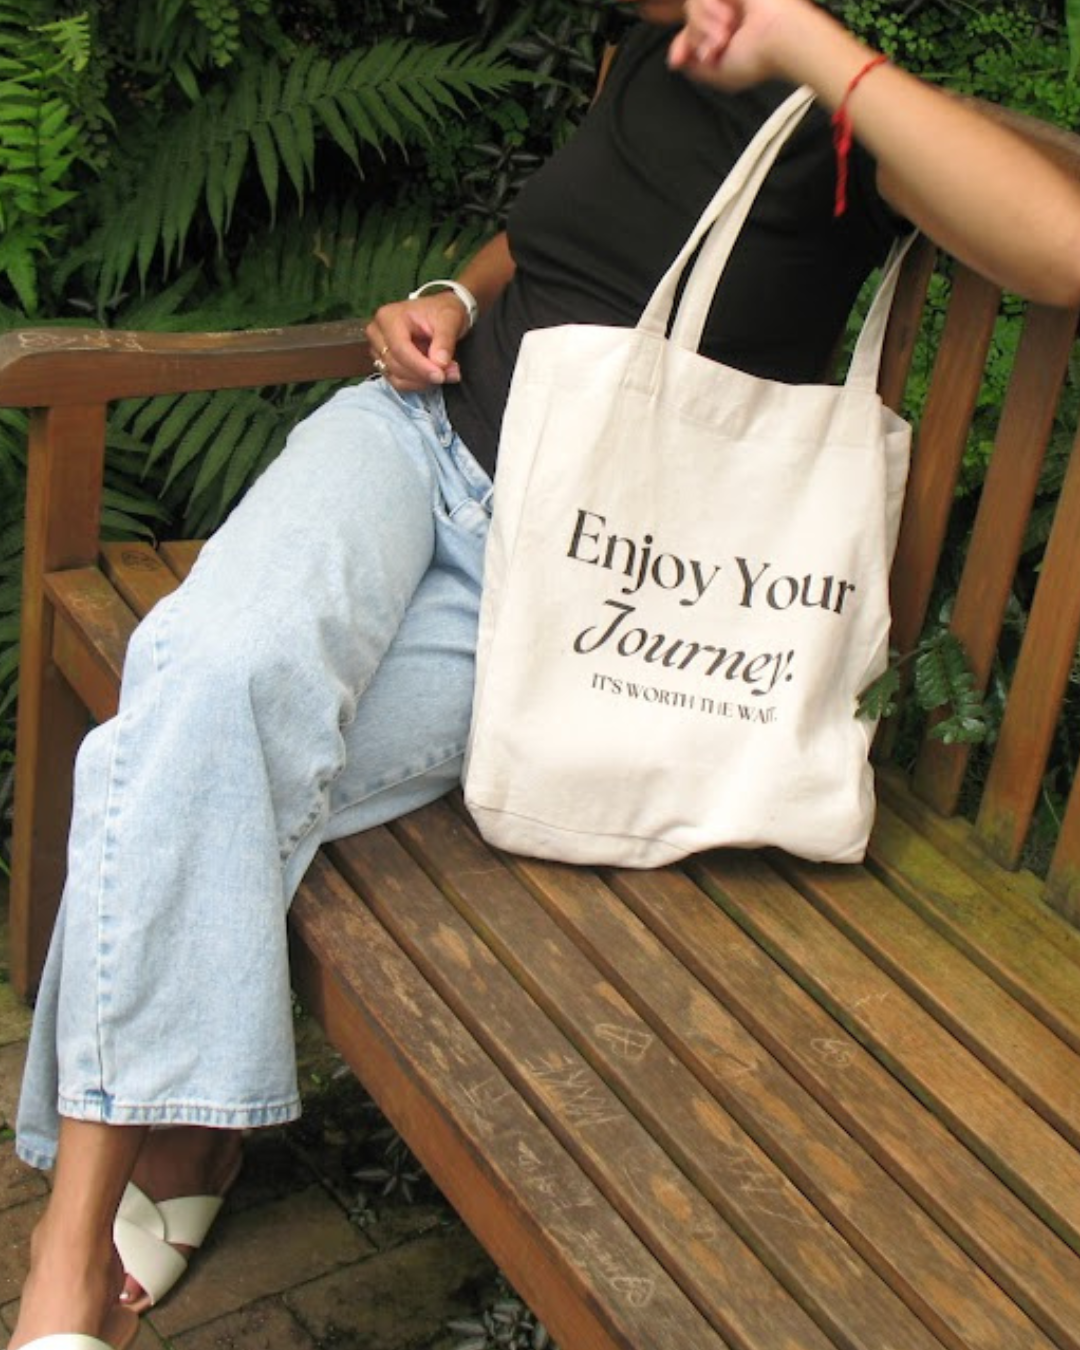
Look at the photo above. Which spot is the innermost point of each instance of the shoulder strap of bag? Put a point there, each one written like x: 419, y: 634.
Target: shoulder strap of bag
x: 726, y: 212
x: 865, y: 367
x: 719, y: 227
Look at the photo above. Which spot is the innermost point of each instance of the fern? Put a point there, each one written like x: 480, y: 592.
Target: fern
x: 338, y: 265
x: 124, y: 516
x: 11, y: 554
x: 39, y: 137
x: 13, y: 429
x: 317, y: 267
x: 881, y: 698
x: 269, y: 125
x: 198, y: 452
x: 71, y: 38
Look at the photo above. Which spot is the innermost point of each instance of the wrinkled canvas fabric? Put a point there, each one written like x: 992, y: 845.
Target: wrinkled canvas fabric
x: 686, y: 584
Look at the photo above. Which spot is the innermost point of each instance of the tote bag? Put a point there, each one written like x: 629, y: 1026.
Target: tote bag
x: 686, y: 583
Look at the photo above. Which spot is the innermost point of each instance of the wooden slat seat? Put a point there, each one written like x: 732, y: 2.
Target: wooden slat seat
x: 744, y: 1102
x: 749, y: 1101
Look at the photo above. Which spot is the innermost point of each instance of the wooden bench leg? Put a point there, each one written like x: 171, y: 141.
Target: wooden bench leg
x: 66, y: 460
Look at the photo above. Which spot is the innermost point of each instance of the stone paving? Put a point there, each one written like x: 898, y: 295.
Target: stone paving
x: 306, y: 1253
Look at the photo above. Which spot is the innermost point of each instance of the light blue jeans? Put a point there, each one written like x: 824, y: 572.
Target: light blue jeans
x: 311, y: 678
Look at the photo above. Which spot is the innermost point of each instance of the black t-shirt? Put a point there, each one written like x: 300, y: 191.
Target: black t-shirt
x: 594, y: 230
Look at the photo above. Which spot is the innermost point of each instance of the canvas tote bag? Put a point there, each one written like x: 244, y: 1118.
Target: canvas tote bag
x: 686, y: 584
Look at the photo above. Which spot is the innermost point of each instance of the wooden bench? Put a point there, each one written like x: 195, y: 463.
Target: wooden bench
x: 744, y: 1102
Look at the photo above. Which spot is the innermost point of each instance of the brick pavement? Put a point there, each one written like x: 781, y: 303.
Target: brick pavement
x: 304, y: 1254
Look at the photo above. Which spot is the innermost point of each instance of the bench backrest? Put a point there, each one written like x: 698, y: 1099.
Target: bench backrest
x: 1003, y: 789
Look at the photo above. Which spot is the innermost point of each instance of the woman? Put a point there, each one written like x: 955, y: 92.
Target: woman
x: 338, y: 690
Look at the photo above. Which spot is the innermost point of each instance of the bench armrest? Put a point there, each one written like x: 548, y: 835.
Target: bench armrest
x: 56, y: 367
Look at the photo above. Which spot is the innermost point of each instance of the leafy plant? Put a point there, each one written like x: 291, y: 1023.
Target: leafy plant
x: 271, y: 122
x: 39, y: 137
x: 505, y: 1324
x: 942, y: 679
x: 397, y: 1174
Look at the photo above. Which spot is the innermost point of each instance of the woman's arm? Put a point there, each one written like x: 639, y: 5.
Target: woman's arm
x: 974, y: 186
x: 416, y: 339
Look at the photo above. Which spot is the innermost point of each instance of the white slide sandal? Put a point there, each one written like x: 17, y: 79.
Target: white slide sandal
x: 147, y: 1233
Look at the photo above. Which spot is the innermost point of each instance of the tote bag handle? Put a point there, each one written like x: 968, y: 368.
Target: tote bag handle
x: 725, y: 216
x: 717, y: 230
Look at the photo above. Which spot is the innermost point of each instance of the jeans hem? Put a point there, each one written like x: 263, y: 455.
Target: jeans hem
x: 42, y: 1161
x: 108, y: 1111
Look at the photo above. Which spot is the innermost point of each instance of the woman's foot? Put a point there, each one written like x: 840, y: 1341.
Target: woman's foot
x: 182, y: 1161
x: 72, y: 1287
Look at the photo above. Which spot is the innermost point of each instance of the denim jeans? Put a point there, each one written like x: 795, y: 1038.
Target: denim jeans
x: 311, y: 678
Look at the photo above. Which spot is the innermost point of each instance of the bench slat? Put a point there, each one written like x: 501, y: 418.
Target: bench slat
x: 850, y: 1192
x: 1042, y: 672
x: 954, y: 388
x: 977, y: 1210
x: 1021, y: 949
x: 90, y: 636
x: 65, y: 459
x: 1005, y: 504
x: 531, y: 1206
x: 180, y: 554
x: 139, y: 573
x: 954, y: 837
x: 609, y: 1142
x: 1004, y: 1132
x: 1063, y: 879
x: 1019, y: 1048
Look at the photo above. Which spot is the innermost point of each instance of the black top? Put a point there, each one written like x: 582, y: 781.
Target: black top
x: 594, y: 230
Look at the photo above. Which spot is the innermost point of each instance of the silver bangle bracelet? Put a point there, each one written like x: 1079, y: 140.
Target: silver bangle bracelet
x: 472, y: 309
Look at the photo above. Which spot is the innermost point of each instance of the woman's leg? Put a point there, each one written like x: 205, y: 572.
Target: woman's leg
x: 200, y: 805
x: 417, y: 709
x: 75, y: 1275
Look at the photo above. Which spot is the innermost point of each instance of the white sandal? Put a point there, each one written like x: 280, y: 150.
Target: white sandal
x: 147, y: 1233
x: 68, y: 1340
x: 76, y: 1340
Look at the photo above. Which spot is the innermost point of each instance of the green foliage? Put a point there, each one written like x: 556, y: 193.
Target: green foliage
x: 334, y: 264
x: 1072, y: 25
x: 1020, y: 52
x: 942, y: 680
x: 177, y: 43
x: 271, y: 120
x: 505, y: 1323
x: 39, y: 137
x: 71, y: 38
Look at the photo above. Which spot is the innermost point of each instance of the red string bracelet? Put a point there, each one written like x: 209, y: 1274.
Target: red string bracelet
x: 843, y: 132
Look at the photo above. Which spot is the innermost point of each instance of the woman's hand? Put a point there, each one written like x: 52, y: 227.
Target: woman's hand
x: 734, y: 43
x: 416, y: 339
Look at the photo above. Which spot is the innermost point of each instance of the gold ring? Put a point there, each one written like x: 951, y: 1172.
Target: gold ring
x: 380, y: 366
